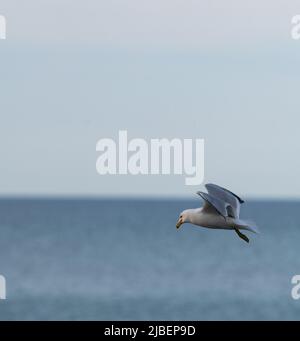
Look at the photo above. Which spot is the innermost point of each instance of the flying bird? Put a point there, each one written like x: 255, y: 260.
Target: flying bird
x: 221, y: 210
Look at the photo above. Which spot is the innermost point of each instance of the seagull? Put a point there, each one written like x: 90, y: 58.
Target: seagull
x: 221, y: 210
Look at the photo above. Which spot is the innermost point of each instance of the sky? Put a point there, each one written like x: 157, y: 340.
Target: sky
x: 73, y: 72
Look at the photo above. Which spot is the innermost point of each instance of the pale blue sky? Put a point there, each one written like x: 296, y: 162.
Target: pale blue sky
x: 70, y: 74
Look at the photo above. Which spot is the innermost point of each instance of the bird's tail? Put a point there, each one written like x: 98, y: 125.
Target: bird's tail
x: 246, y: 225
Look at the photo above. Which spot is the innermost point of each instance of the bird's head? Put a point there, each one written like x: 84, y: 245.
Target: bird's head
x: 183, y: 218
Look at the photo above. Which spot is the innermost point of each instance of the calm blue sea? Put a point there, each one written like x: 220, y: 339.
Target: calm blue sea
x: 124, y: 259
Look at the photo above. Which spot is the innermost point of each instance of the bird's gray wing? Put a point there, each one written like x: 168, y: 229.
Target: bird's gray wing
x: 219, y: 189
x: 233, y: 209
x: 209, y: 208
x: 219, y: 205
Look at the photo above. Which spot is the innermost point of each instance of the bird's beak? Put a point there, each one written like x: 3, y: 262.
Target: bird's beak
x: 179, y: 223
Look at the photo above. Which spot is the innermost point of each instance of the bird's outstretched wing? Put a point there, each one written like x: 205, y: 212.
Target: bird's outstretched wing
x: 213, y: 202
x: 233, y: 201
x: 218, y: 189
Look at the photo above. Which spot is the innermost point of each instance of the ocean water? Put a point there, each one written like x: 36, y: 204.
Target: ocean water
x: 125, y: 260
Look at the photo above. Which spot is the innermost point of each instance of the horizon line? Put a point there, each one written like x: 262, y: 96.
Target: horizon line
x: 145, y: 197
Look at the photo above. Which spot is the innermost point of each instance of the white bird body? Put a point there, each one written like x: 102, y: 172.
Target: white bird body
x: 221, y: 210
